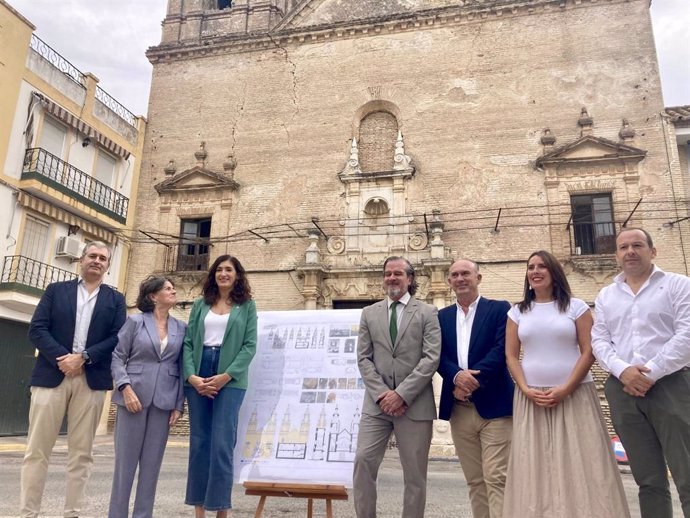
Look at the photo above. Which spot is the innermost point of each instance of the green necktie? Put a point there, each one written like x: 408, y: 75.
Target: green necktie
x: 393, y: 326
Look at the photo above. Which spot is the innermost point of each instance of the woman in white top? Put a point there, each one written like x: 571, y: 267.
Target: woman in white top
x: 217, y: 350
x: 561, y: 462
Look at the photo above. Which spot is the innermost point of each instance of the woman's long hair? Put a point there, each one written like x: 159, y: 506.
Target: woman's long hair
x: 241, y: 291
x: 560, y: 288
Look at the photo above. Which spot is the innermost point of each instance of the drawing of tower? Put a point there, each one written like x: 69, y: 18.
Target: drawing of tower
x: 285, y: 427
x: 252, y: 437
x: 319, y: 449
x: 304, y: 427
x: 267, y: 437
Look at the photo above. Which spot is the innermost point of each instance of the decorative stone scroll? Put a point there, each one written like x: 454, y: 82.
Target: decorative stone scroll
x: 336, y: 245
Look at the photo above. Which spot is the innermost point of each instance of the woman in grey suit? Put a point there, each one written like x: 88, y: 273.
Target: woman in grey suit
x: 147, y: 375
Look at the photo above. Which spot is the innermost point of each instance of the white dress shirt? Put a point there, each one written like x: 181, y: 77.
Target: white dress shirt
x: 402, y: 304
x: 650, y: 328
x: 463, y: 328
x: 85, y: 303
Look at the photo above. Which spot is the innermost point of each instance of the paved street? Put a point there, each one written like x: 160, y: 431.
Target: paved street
x: 447, y: 493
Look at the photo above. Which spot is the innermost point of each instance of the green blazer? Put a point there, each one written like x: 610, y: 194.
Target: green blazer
x: 238, y: 347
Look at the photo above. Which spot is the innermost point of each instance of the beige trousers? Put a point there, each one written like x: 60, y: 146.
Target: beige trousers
x: 83, y: 408
x: 483, y: 447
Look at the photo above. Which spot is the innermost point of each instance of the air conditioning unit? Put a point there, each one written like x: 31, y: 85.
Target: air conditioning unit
x: 68, y: 246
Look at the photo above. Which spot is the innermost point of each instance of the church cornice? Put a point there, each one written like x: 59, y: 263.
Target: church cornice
x: 282, y: 35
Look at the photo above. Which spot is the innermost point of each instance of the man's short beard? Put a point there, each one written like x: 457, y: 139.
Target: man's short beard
x: 394, y: 291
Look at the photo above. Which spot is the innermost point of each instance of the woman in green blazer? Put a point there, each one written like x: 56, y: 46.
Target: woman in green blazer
x: 219, y: 345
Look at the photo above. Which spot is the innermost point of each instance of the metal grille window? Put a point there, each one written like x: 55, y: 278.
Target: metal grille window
x: 35, y: 238
x: 594, y: 229
x: 194, y: 244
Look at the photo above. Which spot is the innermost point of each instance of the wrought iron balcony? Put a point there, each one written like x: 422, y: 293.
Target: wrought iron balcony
x: 589, y: 238
x: 55, y: 59
x: 192, y: 255
x: 115, y: 106
x: 45, y: 167
x: 25, y: 274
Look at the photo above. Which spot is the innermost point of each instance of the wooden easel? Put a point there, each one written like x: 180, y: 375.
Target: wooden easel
x: 311, y: 492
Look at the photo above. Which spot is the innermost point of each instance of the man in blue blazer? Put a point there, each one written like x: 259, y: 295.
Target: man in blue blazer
x: 477, y: 394
x: 74, y: 329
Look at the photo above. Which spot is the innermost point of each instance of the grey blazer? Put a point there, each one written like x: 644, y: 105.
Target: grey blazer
x: 408, y: 366
x: 155, y: 378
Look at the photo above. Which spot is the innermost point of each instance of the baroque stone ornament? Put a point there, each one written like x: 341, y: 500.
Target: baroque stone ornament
x: 418, y: 241
x: 627, y: 132
x: 170, y: 169
x: 547, y: 138
x: 585, y: 122
x: 400, y: 160
x: 336, y: 245
x: 201, y: 154
x: 376, y: 207
x: 312, y: 253
x: 352, y: 166
x: 230, y: 164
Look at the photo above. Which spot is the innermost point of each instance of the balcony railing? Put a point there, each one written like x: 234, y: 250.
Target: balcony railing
x: 20, y: 272
x: 115, y: 106
x: 55, y: 59
x: 191, y: 256
x: 47, y: 168
x: 592, y: 238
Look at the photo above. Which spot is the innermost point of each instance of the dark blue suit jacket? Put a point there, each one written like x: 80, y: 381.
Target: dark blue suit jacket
x: 494, y: 397
x: 52, y: 333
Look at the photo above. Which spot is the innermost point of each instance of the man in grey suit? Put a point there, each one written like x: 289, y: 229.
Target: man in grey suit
x: 398, y: 352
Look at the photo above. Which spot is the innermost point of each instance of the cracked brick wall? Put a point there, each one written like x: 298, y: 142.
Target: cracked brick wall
x: 473, y: 97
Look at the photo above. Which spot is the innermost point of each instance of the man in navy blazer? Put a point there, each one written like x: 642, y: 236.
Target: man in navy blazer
x: 74, y: 329
x: 477, y: 394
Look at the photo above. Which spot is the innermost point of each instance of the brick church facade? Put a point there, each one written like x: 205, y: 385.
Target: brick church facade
x: 314, y: 138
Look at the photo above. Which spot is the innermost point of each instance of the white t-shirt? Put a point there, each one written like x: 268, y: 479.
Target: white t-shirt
x: 549, y: 342
x: 214, y: 329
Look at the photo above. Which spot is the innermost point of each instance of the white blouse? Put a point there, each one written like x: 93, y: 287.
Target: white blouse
x: 214, y: 329
x: 549, y: 342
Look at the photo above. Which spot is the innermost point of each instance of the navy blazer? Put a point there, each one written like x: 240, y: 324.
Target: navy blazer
x: 52, y: 333
x: 155, y: 378
x: 494, y: 397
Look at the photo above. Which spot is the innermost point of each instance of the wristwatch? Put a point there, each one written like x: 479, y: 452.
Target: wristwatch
x: 85, y: 356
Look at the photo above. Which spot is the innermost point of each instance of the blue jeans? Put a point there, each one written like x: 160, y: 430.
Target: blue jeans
x: 213, y: 434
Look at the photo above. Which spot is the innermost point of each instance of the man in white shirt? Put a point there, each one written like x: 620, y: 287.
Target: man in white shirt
x: 74, y: 329
x: 641, y: 335
x: 477, y: 394
x: 397, y: 353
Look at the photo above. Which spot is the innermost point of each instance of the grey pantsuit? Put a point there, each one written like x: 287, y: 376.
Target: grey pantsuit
x: 406, y: 367
x: 140, y: 438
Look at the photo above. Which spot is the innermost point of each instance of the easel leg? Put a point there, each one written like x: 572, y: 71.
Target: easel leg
x: 329, y: 508
x: 260, y: 507
x: 310, y: 508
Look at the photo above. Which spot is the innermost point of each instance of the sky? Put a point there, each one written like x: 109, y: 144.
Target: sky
x: 109, y: 38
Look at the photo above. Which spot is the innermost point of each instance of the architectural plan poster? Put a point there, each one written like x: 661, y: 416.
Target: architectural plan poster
x: 300, y: 415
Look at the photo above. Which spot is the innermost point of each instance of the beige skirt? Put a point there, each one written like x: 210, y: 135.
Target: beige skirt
x: 561, y: 462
